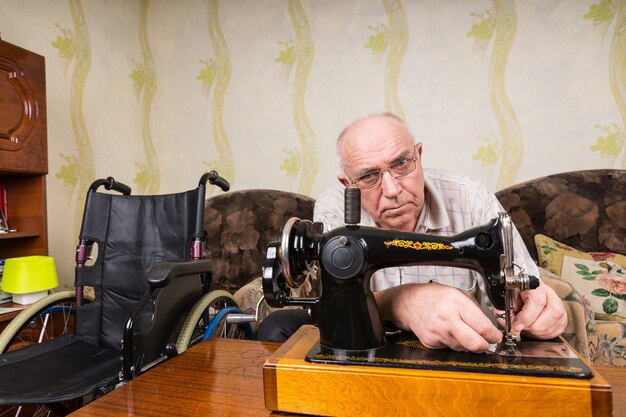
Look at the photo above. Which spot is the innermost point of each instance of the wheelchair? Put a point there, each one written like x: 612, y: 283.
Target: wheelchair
x: 152, y: 299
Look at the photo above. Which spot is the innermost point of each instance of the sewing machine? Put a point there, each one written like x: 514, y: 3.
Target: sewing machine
x: 347, y: 364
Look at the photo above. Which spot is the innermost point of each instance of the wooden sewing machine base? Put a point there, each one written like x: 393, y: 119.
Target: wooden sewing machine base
x: 295, y: 385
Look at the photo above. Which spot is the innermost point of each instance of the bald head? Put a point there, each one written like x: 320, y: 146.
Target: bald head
x: 362, y: 123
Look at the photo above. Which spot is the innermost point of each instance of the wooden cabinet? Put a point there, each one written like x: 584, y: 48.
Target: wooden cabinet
x: 23, y: 150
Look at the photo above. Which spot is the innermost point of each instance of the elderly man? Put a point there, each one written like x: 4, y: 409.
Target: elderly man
x: 443, y: 306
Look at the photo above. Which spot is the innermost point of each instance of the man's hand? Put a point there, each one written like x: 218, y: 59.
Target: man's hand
x: 439, y: 315
x: 542, y: 314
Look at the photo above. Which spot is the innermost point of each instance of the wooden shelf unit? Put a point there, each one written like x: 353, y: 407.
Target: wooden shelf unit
x: 23, y: 150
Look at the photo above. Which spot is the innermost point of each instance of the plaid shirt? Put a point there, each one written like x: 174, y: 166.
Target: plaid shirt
x: 453, y: 204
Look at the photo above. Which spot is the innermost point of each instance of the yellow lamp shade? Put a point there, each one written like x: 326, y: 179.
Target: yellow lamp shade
x: 29, y: 274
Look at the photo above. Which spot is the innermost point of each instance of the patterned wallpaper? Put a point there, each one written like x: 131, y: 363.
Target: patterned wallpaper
x: 155, y: 92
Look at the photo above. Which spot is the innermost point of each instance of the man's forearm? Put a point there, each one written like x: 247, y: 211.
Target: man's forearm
x: 387, y: 301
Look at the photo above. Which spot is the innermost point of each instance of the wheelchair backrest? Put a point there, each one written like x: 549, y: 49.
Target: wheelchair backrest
x: 132, y: 233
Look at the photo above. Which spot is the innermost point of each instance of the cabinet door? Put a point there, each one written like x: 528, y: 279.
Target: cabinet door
x: 23, y: 146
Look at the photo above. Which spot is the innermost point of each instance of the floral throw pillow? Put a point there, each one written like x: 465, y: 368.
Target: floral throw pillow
x: 600, y: 277
x: 602, y: 282
x: 607, y: 346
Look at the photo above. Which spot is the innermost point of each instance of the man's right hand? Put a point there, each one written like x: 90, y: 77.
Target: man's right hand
x: 439, y: 315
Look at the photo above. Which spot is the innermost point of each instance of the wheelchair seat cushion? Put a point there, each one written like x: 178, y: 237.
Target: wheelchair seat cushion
x: 67, y: 367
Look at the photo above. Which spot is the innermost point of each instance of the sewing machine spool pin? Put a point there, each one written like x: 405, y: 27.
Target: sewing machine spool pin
x: 352, y: 205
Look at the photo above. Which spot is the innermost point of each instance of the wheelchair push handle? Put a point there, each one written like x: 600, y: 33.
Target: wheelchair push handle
x: 111, y: 184
x: 214, y: 178
x: 200, y: 235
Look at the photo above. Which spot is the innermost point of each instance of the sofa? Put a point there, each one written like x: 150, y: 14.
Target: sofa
x: 574, y: 226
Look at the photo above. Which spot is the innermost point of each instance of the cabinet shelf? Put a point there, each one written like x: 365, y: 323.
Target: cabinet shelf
x: 17, y: 235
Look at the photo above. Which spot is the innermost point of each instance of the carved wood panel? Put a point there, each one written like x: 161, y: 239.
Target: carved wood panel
x: 23, y: 131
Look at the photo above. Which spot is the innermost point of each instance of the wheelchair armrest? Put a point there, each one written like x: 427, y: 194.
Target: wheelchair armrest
x: 158, y: 276
x: 161, y: 273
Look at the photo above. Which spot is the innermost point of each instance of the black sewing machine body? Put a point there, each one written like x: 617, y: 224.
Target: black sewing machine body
x: 347, y: 314
x: 351, y: 330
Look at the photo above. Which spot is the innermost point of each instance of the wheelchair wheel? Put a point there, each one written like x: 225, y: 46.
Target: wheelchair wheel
x: 208, y: 319
x: 50, y: 317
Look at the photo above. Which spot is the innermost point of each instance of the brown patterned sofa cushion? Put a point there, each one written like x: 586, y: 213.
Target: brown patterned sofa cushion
x: 240, y: 224
x: 583, y: 209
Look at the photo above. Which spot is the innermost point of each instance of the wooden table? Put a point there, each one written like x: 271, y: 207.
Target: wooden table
x: 219, y: 377
x: 223, y: 377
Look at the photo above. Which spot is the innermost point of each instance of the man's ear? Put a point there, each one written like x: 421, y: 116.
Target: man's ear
x: 418, y: 149
x: 343, y: 179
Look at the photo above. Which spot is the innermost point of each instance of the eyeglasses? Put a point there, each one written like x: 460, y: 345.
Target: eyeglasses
x: 398, y: 169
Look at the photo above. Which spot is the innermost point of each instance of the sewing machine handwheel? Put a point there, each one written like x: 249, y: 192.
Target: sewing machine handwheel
x: 285, y: 249
x: 293, y: 251
x: 275, y: 289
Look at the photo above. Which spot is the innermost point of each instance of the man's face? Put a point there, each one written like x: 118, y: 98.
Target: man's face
x: 374, y: 144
